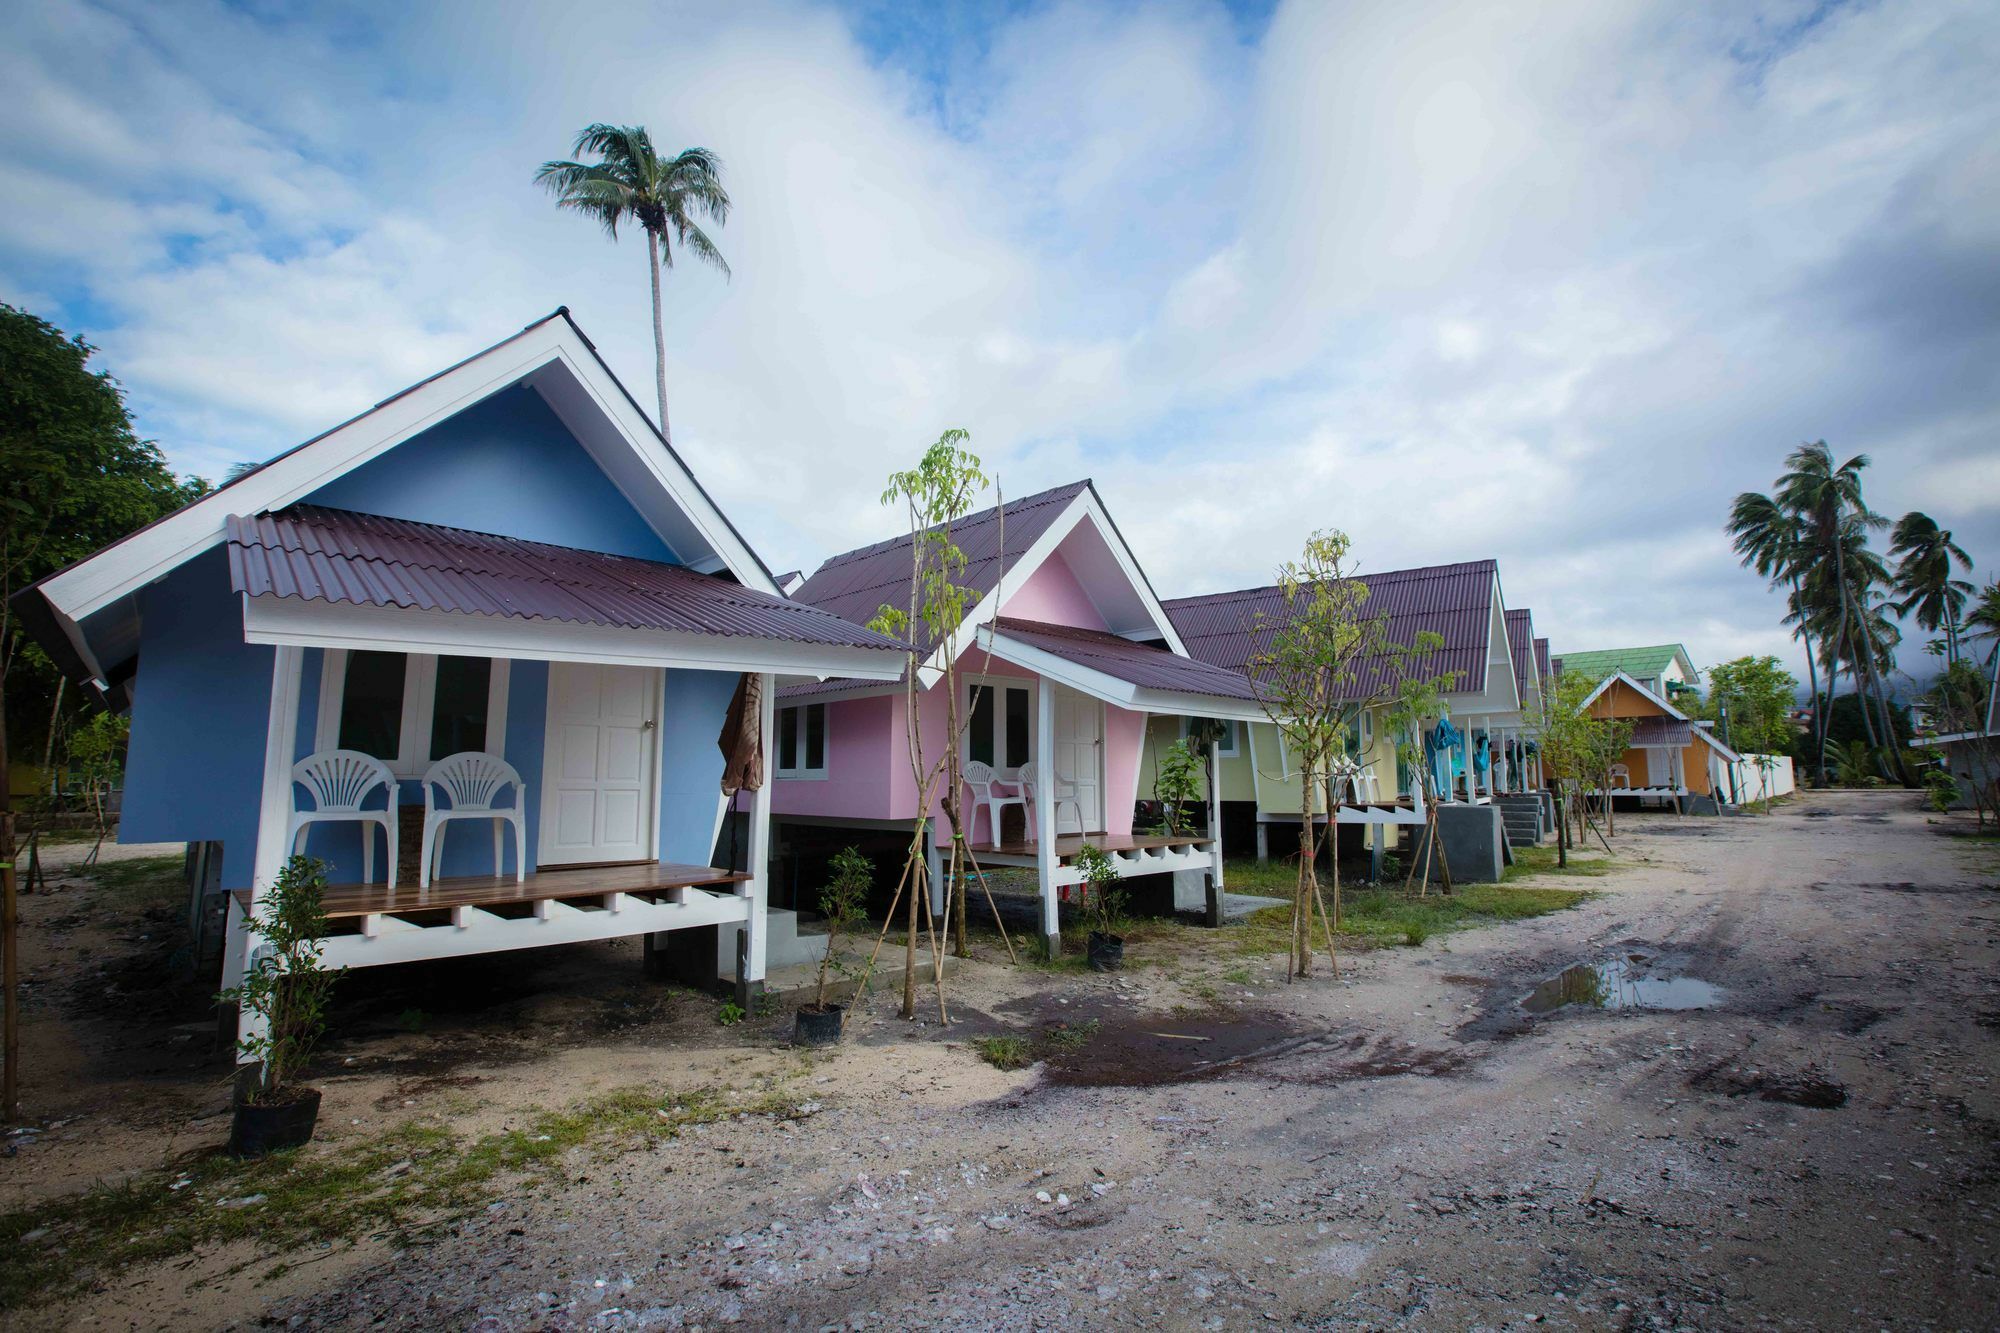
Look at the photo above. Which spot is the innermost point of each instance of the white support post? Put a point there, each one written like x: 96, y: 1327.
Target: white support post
x: 273, y: 815
x: 1045, y: 813
x: 934, y: 866
x: 756, y: 929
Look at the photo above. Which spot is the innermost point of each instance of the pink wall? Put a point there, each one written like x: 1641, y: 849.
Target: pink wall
x: 1053, y: 596
x: 868, y: 764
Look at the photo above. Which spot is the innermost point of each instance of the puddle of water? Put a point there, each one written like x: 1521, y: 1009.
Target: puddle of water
x: 1622, y: 983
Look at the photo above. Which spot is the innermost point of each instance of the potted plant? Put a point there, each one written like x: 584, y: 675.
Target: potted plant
x: 287, y: 988
x: 841, y: 902
x: 1106, y: 905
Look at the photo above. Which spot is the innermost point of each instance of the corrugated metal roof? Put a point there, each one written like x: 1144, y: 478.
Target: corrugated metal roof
x: 1228, y: 629
x: 1646, y: 663
x: 1662, y: 731
x: 1138, y: 664
x: 856, y: 584
x: 1543, y: 667
x: 334, y: 555
x: 1521, y: 643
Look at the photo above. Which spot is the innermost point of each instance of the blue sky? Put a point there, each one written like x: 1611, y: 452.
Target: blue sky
x: 1545, y: 283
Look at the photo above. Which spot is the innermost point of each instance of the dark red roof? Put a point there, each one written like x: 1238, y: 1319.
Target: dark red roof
x: 1139, y: 664
x: 334, y: 555
x: 1228, y: 629
x: 855, y: 585
x: 1662, y: 731
x: 1543, y: 668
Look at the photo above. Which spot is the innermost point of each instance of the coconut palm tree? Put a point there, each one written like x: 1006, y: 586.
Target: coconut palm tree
x: 665, y: 196
x: 1771, y: 540
x: 1925, y: 554
x: 1841, y: 571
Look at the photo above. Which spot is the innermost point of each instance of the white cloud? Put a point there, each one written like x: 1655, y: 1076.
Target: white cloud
x: 1548, y: 283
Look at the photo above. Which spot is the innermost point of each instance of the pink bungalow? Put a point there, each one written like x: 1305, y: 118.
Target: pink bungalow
x: 1063, y: 658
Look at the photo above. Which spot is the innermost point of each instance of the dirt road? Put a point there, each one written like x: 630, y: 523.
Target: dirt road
x: 1815, y: 1148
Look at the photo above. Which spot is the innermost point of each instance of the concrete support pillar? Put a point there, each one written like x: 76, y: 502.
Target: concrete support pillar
x: 1045, y: 814
x: 1263, y: 842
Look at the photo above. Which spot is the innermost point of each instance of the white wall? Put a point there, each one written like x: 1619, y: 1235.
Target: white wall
x: 1755, y: 781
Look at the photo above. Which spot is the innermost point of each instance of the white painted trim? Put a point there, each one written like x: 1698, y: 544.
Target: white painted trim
x: 1083, y: 506
x: 413, y: 757
x: 757, y: 921
x: 799, y: 772
x: 1045, y: 814
x: 288, y: 620
x: 1651, y: 697
x: 124, y: 568
x: 1110, y: 689
x: 553, y: 922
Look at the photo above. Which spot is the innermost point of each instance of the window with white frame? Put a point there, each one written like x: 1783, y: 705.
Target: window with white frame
x: 1367, y: 731
x: 1225, y: 745
x: 411, y: 709
x: 802, y: 741
x: 998, y: 724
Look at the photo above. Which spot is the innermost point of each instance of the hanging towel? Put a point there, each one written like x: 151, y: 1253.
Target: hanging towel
x: 740, y: 741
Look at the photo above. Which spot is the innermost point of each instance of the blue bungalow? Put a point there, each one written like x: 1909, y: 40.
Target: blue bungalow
x: 498, y: 595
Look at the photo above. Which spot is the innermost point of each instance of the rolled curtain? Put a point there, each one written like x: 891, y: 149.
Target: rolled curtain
x: 742, y: 737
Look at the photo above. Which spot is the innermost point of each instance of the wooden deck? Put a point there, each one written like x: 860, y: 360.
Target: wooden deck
x: 355, y: 900
x: 1069, y: 844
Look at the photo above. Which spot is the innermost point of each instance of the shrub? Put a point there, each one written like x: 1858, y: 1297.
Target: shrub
x: 287, y: 986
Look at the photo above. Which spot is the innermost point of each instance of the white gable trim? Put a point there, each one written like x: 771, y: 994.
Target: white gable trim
x: 550, y: 346
x: 1083, y: 507
x: 1645, y: 693
x: 1123, y: 693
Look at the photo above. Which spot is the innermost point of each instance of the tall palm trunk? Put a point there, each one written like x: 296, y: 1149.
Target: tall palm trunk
x: 1812, y: 676
x: 659, y: 332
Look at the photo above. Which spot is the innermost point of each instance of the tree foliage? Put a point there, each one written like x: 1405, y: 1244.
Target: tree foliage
x: 287, y: 987
x: 1757, y: 696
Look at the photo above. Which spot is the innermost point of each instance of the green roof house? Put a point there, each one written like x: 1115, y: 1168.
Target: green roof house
x: 1662, y: 668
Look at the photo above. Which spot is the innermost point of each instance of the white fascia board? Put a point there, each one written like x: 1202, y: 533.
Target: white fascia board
x: 1084, y: 505
x: 1119, y: 693
x: 871, y: 689
x: 290, y: 620
x: 156, y: 551
x: 604, y: 394
x: 1605, y: 684
x: 1717, y: 745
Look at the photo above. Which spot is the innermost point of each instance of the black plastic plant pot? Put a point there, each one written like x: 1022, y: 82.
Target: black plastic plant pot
x: 1107, y: 952
x: 272, y: 1126
x: 818, y: 1027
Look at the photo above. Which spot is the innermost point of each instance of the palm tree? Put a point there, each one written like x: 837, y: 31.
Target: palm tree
x: 1771, y: 540
x: 1925, y: 554
x: 1842, y: 570
x: 663, y: 195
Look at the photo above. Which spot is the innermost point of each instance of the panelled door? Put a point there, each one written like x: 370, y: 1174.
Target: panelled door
x: 598, y: 794
x: 1078, y: 760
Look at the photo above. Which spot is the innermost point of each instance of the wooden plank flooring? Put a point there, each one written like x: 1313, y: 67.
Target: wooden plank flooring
x: 350, y: 900
x: 1069, y: 844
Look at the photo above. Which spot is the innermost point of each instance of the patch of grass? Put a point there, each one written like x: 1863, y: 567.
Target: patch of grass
x: 1011, y: 1051
x: 412, y: 1176
x: 1377, y: 917
x: 1237, y: 976
x: 1068, y: 1036
x: 140, y: 882
x: 1536, y: 861
x: 1003, y: 1052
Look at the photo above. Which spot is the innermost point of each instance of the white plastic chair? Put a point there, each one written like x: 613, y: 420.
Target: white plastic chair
x: 982, y: 779
x: 470, y: 780
x: 1621, y: 776
x: 338, y: 782
x: 1061, y: 799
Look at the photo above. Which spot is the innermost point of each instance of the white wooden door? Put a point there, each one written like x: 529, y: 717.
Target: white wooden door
x: 1078, y: 760
x: 598, y: 794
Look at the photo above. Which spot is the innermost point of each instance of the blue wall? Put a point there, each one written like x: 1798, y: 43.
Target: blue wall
x: 202, y: 698
x: 200, y: 707
x: 697, y: 703
x: 506, y: 465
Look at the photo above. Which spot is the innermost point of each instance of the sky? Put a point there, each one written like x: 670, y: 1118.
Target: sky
x: 1545, y: 283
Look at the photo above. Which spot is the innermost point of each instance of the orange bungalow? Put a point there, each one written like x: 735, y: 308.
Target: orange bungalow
x: 1672, y: 757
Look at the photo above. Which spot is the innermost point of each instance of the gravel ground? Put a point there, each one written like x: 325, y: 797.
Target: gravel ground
x: 1814, y: 1148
